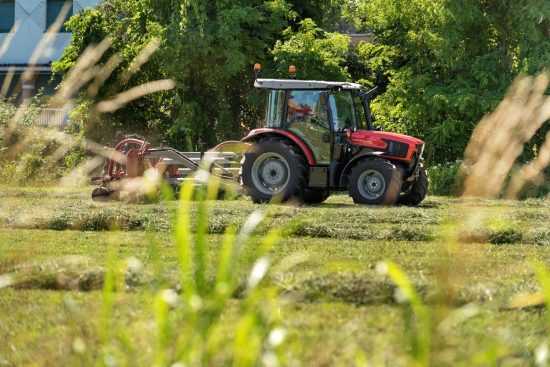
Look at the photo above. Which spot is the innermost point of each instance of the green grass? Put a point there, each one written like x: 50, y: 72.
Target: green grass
x: 336, y: 307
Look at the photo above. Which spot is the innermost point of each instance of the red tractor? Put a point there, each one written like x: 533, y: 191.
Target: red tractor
x: 318, y: 138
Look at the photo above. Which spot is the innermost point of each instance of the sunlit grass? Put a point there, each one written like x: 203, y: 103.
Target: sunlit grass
x: 330, y: 294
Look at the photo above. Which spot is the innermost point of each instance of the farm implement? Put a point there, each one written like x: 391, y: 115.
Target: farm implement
x: 317, y: 137
x: 132, y: 157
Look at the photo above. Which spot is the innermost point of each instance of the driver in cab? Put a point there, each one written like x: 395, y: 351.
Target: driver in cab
x: 307, y: 117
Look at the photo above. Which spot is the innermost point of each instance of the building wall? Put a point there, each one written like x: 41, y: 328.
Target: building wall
x: 31, y: 48
x: 31, y: 17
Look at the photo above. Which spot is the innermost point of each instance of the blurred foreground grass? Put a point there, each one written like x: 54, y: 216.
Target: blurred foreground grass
x: 335, y: 307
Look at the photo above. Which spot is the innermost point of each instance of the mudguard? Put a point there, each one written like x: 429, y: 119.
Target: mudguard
x: 257, y: 133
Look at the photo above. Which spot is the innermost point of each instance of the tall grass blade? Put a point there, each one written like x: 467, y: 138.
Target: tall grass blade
x: 163, y: 333
x: 543, y: 277
x: 184, y: 239
x: 9, y: 38
x: 201, y: 240
x: 224, y: 273
x: 416, y: 316
x: 123, y: 98
x: 249, y: 226
x: 499, y: 139
x: 108, y: 300
x: 155, y: 258
x: 247, y: 344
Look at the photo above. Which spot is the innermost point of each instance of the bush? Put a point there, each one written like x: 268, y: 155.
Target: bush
x: 32, y: 155
x: 444, y: 179
x: 539, y: 189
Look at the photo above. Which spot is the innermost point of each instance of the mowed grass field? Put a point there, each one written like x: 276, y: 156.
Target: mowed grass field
x: 466, y: 259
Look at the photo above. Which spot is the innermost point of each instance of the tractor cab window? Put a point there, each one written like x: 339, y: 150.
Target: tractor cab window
x: 307, y: 107
x: 307, y: 117
x: 343, y: 111
x: 274, y: 110
x: 360, y: 115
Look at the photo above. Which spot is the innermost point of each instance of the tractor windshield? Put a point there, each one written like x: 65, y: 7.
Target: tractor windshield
x: 344, y: 111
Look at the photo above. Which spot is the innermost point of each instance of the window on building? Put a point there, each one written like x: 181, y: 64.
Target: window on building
x: 7, y: 15
x: 53, y: 9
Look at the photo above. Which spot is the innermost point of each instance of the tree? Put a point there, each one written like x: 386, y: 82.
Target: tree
x: 329, y: 15
x: 444, y: 64
x: 128, y: 38
x: 209, y: 49
x: 317, y: 54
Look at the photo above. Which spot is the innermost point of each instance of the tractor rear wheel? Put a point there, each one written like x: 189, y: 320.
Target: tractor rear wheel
x: 312, y: 196
x: 375, y: 182
x: 273, y: 169
x: 417, y: 190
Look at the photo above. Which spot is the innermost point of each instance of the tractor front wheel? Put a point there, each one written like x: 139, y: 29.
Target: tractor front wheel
x: 417, y: 190
x: 273, y: 169
x: 375, y: 182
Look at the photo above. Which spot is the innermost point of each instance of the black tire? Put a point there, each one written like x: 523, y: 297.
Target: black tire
x: 100, y: 194
x: 273, y: 169
x: 375, y: 182
x: 315, y: 196
x: 417, y: 190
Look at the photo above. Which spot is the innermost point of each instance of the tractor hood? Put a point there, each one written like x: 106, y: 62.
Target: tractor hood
x: 393, y: 145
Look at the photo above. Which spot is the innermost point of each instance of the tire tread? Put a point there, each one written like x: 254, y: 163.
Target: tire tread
x: 394, y: 185
x: 301, y: 172
x: 418, y: 191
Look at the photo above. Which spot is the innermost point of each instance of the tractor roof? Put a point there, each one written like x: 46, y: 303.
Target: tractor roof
x: 303, y: 84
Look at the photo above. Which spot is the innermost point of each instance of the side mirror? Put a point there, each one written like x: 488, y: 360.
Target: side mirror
x: 378, y: 128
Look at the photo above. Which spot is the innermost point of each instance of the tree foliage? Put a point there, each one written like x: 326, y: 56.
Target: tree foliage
x: 440, y: 65
x: 445, y: 64
x: 209, y: 51
x: 317, y: 54
x: 208, y: 48
x: 129, y: 26
x: 330, y: 15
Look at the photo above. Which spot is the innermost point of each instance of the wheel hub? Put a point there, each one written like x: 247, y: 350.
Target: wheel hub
x: 371, y: 184
x: 273, y: 172
x: 270, y: 173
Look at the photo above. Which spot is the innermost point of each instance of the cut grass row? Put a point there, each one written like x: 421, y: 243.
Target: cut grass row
x: 514, y: 222
x: 306, y: 269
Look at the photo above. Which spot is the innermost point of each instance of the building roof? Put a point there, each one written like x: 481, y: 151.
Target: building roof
x: 303, y: 84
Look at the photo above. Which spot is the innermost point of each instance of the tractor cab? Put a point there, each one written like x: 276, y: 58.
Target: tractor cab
x: 328, y: 126
x: 311, y: 98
